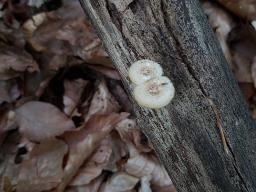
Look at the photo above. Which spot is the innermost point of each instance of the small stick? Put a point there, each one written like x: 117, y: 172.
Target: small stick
x: 218, y: 123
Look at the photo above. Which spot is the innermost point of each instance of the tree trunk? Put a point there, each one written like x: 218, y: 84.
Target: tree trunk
x: 186, y: 134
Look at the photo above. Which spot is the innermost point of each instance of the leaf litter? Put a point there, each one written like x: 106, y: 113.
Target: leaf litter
x: 66, y: 121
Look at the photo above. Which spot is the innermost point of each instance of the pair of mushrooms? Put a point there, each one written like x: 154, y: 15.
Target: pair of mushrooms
x: 152, y: 90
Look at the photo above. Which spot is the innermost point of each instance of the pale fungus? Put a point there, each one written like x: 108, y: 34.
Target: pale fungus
x: 143, y: 70
x: 154, y: 93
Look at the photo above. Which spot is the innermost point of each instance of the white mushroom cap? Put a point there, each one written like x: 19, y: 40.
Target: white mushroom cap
x: 143, y: 70
x: 154, y: 93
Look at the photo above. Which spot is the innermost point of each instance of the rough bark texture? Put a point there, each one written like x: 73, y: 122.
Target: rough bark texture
x: 186, y: 133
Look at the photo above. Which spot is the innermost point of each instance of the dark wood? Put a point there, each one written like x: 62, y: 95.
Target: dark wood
x: 186, y: 133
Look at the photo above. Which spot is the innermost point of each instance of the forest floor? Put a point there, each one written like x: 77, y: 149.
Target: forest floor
x: 66, y: 123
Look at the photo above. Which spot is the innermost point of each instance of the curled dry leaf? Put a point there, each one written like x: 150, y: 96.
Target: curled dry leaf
x: 43, y: 169
x: 222, y: 24
x: 93, y: 167
x: 102, y: 102
x: 36, y: 3
x: 130, y: 133
x: 14, y: 61
x: 39, y: 120
x: 9, y: 91
x: 9, y: 169
x: 66, y: 32
x: 93, y: 186
x: 7, y: 121
x: 243, y: 49
x: 145, y: 184
x: 107, y: 71
x: 243, y: 8
x: 140, y: 165
x: 118, y: 155
x: 121, y: 96
x: 32, y: 24
x: 73, y: 93
x: 119, y: 182
x: 84, y: 141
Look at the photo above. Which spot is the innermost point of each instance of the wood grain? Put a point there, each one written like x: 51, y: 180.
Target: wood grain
x: 185, y: 134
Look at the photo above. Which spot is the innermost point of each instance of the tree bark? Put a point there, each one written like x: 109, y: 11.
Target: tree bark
x: 186, y: 134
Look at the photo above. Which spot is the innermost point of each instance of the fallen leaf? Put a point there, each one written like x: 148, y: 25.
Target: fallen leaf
x: 119, y: 182
x: 84, y: 141
x: 36, y: 3
x: 243, y: 8
x: 144, y: 185
x: 38, y: 121
x: 222, y: 23
x: 93, y: 186
x: 140, y: 165
x: 43, y: 169
x: 7, y: 121
x: 9, y: 91
x: 66, y: 32
x: 72, y: 95
x: 130, y: 133
x: 121, y: 96
x: 247, y: 90
x: 243, y: 49
x: 107, y: 71
x: 93, y: 167
x: 102, y: 102
x: 9, y: 169
x: 14, y: 61
x: 119, y: 154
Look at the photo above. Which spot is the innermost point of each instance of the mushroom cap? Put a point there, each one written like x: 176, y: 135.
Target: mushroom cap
x: 143, y: 70
x: 154, y: 93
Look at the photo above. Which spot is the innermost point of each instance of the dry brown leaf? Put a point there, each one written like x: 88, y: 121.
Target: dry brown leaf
x: 119, y: 154
x: 7, y: 121
x: 243, y: 8
x: 84, y: 141
x: 243, y: 49
x: 107, y: 71
x: 102, y: 102
x: 43, y: 169
x: 66, y: 32
x: 222, y: 24
x: 242, y: 68
x: 93, y: 186
x: 119, y: 182
x: 140, y: 165
x: 40, y: 120
x: 14, y: 61
x: 121, y: 96
x: 145, y: 185
x: 247, y: 90
x: 9, y: 91
x: 93, y: 167
x: 9, y: 169
x: 130, y: 133
x: 72, y: 95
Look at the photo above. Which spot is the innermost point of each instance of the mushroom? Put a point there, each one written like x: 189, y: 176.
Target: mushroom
x: 154, y: 93
x: 143, y: 70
